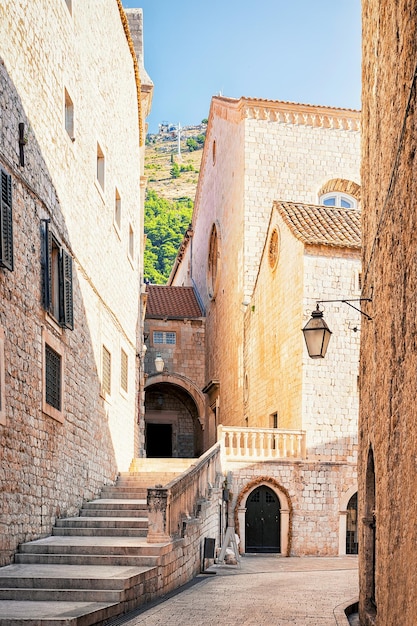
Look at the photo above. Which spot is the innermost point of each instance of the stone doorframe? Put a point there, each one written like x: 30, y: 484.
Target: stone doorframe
x: 344, y: 501
x: 285, y: 511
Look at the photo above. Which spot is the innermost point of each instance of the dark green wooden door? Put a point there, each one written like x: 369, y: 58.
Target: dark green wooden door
x: 262, y: 521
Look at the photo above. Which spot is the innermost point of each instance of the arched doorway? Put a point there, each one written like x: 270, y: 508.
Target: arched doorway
x: 352, y: 525
x: 262, y: 521
x: 172, y: 425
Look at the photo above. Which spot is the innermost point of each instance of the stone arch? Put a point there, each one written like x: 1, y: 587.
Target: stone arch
x: 286, y: 510
x: 174, y: 417
x: 186, y: 384
x: 341, y: 185
x: 344, y: 501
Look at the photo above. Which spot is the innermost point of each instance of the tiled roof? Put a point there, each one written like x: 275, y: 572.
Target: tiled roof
x: 322, y: 225
x: 172, y: 302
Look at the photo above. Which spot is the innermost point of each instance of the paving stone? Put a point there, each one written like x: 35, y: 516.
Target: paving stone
x: 262, y: 591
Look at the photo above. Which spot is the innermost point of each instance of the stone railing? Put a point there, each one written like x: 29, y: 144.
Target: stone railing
x: 256, y: 444
x: 169, y: 507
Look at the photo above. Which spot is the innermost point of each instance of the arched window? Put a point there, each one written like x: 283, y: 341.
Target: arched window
x: 335, y: 198
x: 213, y: 263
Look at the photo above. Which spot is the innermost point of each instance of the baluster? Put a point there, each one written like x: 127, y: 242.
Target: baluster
x: 245, y: 444
x: 262, y: 443
x: 299, y: 446
x: 292, y: 445
x: 276, y: 445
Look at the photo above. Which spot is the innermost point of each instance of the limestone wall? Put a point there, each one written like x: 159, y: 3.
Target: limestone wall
x: 255, y: 152
x: 330, y: 398
x: 314, y: 496
x: 387, y: 425
x: 50, y: 465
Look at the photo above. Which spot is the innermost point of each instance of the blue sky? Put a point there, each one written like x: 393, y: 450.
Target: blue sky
x: 305, y: 51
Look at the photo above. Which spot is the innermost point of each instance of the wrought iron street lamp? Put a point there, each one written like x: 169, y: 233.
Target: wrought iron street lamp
x: 317, y: 335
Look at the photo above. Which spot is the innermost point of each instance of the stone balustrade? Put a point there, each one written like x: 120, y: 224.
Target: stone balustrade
x: 257, y: 444
x: 169, y: 507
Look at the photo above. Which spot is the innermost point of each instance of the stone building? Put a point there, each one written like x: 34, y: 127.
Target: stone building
x: 71, y: 156
x: 275, y: 229
x: 387, y: 428
x: 174, y: 402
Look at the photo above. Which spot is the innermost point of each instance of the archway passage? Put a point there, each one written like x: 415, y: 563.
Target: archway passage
x: 352, y: 525
x: 172, y: 427
x: 262, y: 521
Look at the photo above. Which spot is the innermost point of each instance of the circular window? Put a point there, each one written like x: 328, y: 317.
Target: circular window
x: 213, y: 263
x: 273, y: 249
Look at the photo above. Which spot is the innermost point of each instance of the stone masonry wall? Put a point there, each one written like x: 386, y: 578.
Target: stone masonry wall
x: 49, y: 466
x: 387, y: 425
x: 315, y: 492
x: 273, y: 341
x: 330, y: 385
x: 255, y: 153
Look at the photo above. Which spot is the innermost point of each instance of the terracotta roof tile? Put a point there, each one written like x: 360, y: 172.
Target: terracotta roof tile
x: 172, y: 302
x: 322, y: 225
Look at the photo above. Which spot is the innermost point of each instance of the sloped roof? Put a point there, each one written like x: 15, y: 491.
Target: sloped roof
x: 322, y: 225
x: 172, y: 302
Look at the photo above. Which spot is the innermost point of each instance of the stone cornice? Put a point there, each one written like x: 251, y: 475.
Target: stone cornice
x: 287, y: 113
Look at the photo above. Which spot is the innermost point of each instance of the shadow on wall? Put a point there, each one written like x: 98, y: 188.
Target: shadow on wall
x: 50, y: 464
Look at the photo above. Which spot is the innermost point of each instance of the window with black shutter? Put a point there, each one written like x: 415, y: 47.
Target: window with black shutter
x: 57, y: 280
x: 6, y: 221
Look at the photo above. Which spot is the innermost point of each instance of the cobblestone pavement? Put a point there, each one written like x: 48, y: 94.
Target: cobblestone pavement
x: 265, y: 590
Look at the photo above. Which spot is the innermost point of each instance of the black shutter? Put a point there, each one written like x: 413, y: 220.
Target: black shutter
x: 47, y: 266
x: 67, y: 314
x: 6, y: 222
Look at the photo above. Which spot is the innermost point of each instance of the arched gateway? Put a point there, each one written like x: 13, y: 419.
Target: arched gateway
x: 263, y: 517
x: 174, y: 412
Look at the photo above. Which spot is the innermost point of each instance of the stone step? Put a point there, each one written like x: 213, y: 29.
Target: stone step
x: 122, y: 504
x: 102, y: 522
x: 99, y: 532
x: 61, y: 595
x: 107, y: 512
x: 93, y: 545
x: 147, y: 479
x: 178, y: 465
x: 15, y: 613
x: 124, y: 493
x: 72, y: 577
x: 107, y: 560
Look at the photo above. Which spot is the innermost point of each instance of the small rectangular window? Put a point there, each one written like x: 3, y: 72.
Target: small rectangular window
x: 274, y: 420
x: 100, y: 166
x: 69, y: 115
x: 106, y: 372
x: 165, y: 337
x: 57, y: 280
x: 52, y: 378
x: 117, y: 210
x: 124, y: 370
x: 6, y: 221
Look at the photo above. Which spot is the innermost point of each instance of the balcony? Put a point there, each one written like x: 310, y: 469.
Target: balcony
x: 261, y: 444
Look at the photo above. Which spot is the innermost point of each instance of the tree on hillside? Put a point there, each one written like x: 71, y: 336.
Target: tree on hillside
x: 165, y: 224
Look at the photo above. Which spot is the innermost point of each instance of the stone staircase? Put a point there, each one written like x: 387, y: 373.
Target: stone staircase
x: 94, y: 566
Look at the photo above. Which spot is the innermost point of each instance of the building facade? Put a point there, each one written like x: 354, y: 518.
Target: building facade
x: 387, y: 430
x: 71, y: 158
x: 265, y: 246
